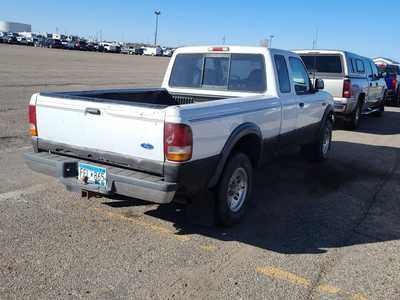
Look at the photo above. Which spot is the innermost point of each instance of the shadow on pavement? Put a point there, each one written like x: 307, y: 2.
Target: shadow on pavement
x: 300, y: 207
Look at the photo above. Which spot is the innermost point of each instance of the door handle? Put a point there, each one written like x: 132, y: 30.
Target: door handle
x: 92, y: 111
x: 301, y: 104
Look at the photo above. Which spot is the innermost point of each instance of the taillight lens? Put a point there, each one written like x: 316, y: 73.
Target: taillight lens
x: 178, y: 142
x: 32, y: 120
x: 347, y: 89
x: 394, y: 84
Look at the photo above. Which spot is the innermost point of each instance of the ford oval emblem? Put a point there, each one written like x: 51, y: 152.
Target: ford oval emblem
x: 147, y: 146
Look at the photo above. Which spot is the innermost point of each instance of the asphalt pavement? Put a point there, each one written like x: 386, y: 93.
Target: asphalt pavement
x: 314, y: 231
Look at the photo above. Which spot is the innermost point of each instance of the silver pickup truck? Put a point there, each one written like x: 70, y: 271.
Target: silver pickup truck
x: 352, y: 80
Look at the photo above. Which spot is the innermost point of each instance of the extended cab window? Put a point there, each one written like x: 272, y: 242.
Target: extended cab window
x: 360, y: 66
x: 283, y: 74
x: 323, y: 63
x: 233, y: 72
x: 299, y: 76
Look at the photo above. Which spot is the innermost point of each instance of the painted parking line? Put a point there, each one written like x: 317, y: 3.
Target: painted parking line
x: 153, y: 227
x: 276, y: 273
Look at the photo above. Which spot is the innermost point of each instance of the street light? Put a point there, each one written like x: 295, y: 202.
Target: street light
x: 270, y: 40
x: 157, y: 13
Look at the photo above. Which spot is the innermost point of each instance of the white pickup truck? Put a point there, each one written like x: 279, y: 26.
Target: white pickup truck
x: 221, y: 112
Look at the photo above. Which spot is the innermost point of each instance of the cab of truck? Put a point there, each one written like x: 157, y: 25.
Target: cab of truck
x: 390, y: 70
x: 353, y: 80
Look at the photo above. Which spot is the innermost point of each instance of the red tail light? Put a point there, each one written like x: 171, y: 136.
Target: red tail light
x: 32, y: 120
x: 394, y: 84
x: 178, y: 142
x: 347, y: 93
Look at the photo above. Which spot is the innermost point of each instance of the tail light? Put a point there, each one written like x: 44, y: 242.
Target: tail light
x: 32, y: 120
x: 178, y: 142
x: 394, y: 84
x: 347, y: 89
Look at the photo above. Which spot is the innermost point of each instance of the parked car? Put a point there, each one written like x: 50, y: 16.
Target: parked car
x: 91, y: 46
x: 168, y: 52
x: 99, y: 47
x: 53, y: 43
x: 11, y: 38
x: 80, y: 45
x: 391, y: 74
x: 152, y: 51
x: 109, y: 47
x: 221, y: 112
x: 3, y: 36
x: 352, y: 80
x: 124, y: 50
x: 139, y: 51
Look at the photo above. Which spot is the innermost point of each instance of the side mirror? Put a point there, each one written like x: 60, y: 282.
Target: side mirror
x: 319, y: 84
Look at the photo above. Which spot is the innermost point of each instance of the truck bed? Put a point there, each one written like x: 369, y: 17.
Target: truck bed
x: 154, y: 98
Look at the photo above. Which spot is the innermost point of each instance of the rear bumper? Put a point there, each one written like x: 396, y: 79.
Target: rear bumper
x: 344, y: 105
x: 120, y: 181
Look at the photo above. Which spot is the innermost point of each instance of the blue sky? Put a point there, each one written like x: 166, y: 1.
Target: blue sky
x: 353, y: 25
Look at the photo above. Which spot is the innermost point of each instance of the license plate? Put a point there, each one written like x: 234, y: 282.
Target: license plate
x: 89, y: 174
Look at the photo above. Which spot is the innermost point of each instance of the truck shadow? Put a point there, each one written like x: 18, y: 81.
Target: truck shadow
x: 387, y: 125
x: 306, y: 208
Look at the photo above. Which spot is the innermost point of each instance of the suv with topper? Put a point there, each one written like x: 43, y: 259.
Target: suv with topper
x: 352, y: 80
x: 221, y: 113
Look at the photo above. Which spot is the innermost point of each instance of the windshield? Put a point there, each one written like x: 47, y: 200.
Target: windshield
x: 323, y: 63
x: 234, y: 72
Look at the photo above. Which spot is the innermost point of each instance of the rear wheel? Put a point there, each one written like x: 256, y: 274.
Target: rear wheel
x: 354, y: 118
x: 234, y: 190
x: 381, y: 110
x: 320, y: 149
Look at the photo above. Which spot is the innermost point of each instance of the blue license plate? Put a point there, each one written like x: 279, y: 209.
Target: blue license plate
x: 89, y: 174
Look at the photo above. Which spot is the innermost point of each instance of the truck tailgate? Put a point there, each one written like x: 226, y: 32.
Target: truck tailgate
x: 128, y: 130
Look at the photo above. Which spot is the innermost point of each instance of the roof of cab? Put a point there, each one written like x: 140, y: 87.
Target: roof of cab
x: 326, y: 51
x: 229, y: 49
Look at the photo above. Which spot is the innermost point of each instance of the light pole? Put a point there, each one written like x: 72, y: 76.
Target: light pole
x: 270, y: 40
x: 157, y: 13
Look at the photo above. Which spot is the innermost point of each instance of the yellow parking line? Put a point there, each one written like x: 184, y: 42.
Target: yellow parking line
x: 283, y: 275
x: 156, y: 228
x: 208, y: 248
x: 326, y: 289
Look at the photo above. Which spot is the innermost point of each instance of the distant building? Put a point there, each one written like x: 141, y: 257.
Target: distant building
x: 6, y: 26
x: 385, y: 61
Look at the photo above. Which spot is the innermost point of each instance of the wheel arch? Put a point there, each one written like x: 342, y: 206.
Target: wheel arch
x: 240, y: 139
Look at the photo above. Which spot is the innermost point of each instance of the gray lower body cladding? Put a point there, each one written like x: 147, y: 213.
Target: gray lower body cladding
x: 119, y: 181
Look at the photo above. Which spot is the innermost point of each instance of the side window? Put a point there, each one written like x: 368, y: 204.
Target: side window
x: 360, y: 66
x: 369, y: 69
x: 283, y: 74
x: 299, y: 76
x: 375, y: 71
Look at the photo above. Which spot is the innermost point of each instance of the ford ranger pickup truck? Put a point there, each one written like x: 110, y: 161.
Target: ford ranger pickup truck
x: 220, y: 113
x: 352, y: 80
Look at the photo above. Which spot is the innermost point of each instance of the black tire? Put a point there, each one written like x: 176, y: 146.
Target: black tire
x: 226, y: 212
x: 381, y: 110
x: 319, y: 150
x: 354, y: 119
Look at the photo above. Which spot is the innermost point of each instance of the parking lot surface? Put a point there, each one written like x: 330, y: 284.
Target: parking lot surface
x: 328, y: 231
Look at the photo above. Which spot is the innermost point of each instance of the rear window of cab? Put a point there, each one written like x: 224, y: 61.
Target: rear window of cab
x: 230, y: 72
x: 323, y: 63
